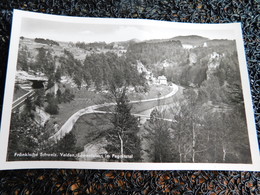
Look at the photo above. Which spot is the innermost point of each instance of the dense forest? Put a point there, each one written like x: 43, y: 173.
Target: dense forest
x: 98, y: 69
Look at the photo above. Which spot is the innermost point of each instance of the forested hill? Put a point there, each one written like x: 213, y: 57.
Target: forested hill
x: 95, y: 64
x: 154, y: 51
x: 213, y: 65
x: 193, y: 40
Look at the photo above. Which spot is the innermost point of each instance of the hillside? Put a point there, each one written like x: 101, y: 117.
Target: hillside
x: 94, y: 65
x: 193, y: 40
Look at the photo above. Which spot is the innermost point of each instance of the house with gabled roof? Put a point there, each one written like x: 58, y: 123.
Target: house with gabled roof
x: 162, y: 80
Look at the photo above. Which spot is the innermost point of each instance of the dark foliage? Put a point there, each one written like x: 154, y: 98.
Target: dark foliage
x: 52, y: 104
x: 152, y: 52
x: 159, y: 139
x: 107, y: 69
x: 46, y: 41
x: 24, y: 137
x: 122, y: 137
x: 67, y: 145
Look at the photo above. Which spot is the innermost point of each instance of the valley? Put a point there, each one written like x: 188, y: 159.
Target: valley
x: 132, y: 101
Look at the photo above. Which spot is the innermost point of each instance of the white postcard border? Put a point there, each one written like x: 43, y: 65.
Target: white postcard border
x: 9, y: 88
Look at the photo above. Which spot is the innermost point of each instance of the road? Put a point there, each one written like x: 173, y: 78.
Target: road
x: 18, y: 102
x: 68, y: 125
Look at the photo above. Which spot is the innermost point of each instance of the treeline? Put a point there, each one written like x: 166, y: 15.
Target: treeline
x: 106, y: 69
x: 100, y: 70
x: 45, y: 62
x: 223, y: 84
x: 151, y: 53
x: 217, y: 74
x: 210, y: 118
x: 188, y: 68
x: 31, y: 138
x: 46, y: 41
x: 93, y: 46
x: 194, y: 40
x: 198, y: 134
x: 103, y: 45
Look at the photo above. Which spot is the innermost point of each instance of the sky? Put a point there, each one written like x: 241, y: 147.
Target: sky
x: 113, y: 32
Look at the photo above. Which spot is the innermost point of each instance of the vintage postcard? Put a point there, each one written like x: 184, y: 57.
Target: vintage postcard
x: 101, y: 93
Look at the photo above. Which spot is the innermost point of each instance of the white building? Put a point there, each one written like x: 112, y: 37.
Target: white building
x: 162, y: 80
x: 214, y: 55
x: 187, y: 46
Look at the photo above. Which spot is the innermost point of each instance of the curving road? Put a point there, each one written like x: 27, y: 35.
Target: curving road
x: 68, y: 125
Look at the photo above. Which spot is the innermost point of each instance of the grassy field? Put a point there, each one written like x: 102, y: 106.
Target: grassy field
x: 84, y: 98
x: 154, y: 92
x: 92, y: 127
x: 142, y: 106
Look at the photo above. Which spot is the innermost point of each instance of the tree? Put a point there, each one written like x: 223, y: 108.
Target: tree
x: 105, y: 69
x: 67, y: 96
x: 23, y: 57
x: 58, y: 74
x: 78, y: 80
x: 59, y: 96
x: 29, y: 107
x: 52, y: 106
x: 39, y: 97
x: 45, y: 63
x: 51, y: 82
x: 23, y: 137
x: 122, y: 137
x: 159, y: 138
x: 67, y: 144
x: 228, y: 139
x: 189, y: 132
x: 40, y: 60
x: 48, y: 64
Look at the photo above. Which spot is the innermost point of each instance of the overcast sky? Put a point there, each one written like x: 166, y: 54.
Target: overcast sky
x: 84, y: 32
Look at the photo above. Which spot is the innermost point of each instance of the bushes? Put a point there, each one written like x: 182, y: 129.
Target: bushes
x: 52, y: 107
x: 53, y: 101
x: 65, y: 97
x: 46, y: 41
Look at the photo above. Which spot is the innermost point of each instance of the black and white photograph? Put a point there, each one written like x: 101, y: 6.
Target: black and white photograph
x: 127, y: 92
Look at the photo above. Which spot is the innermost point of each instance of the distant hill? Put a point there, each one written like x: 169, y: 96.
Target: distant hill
x: 125, y: 44
x: 154, y: 51
x: 46, y: 41
x: 219, y: 42
x: 131, y: 41
x: 193, y: 40
x: 156, y: 41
